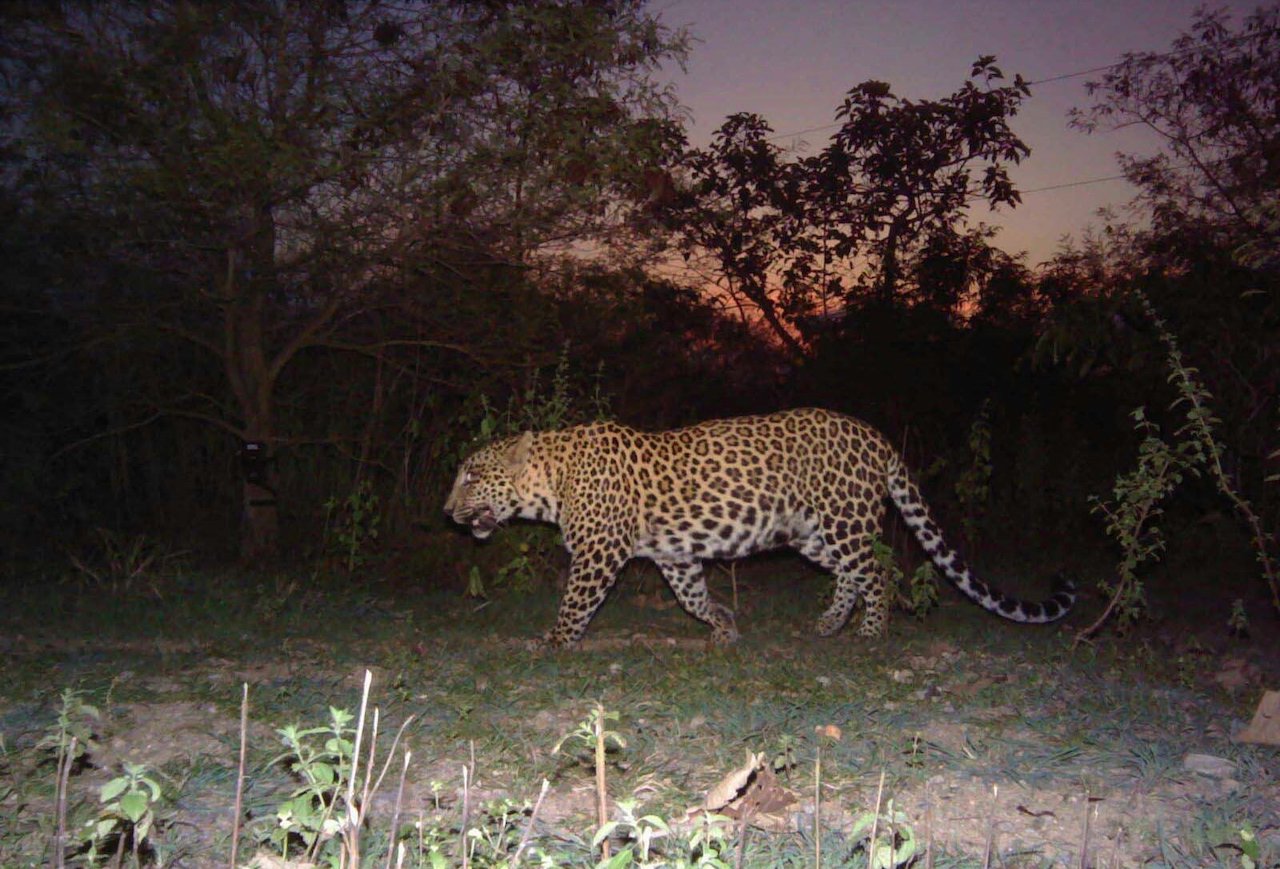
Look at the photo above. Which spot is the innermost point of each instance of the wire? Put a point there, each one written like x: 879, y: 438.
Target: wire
x: 1233, y: 41
x: 1066, y: 75
x: 1081, y: 183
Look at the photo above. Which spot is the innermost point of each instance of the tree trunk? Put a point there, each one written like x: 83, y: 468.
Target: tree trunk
x: 252, y: 383
x: 260, y: 523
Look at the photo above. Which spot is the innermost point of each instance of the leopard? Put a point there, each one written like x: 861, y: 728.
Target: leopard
x: 814, y: 480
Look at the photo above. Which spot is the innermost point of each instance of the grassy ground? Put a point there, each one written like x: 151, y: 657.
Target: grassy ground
x: 997, y: 744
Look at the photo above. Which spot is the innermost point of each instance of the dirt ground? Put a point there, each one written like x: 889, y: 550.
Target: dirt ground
x: 1007, y: 747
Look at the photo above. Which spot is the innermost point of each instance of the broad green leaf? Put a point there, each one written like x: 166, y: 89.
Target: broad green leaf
x: 134, y: 805
x: 114, y: 788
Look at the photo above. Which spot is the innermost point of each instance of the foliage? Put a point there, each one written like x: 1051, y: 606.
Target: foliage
x: 71, y: 735
x: 918, y: 593
x: 593, y: 731
x: 128, y: 811
x: 230, y: 184
x: 790, y: 238
x: 1207, y: 258
x: 707, y: 846
x: 638, y: 832
x: 1200, y: 432
x: 1212, y: 99
x: 569, y: 399
x: 890, y: 839
x: 1138, y: 496
x: 531, y: 553
x: 973, y: 486
x: 687, y: 714
x: 351, y: 525
x: 1161, y: 467
x: 1238, y: 620
x: 120, y: 564
x: 315, y: 812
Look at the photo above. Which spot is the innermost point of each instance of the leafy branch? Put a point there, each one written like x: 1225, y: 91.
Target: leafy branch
x: 1161, y: 467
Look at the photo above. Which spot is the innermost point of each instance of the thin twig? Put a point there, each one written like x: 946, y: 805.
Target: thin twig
x: 875, y: 824
x: 928, y: 821
x: 64, y: 775
x: 991, y: 829
x: 602, y: 794
x: 395, y: 813
x: 377, y: 785
x: 368, y: 765
x: 1115, y: 849
x: 463, y: 856
x: 244, y: 742
x: 817, y: 805
x: 1084, y: 835
x: 528, y: 830
x: 351, y: 823
x: 742, y: 839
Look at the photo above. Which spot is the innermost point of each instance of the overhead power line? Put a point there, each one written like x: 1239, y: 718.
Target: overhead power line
x: 1066, y: 75
x: 1235, y: 40
x: 1082, y: 183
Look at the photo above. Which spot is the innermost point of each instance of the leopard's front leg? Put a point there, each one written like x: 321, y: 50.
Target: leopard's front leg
x: 592, y: 572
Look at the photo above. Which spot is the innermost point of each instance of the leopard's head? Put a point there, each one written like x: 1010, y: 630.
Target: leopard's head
x: 485, y: 492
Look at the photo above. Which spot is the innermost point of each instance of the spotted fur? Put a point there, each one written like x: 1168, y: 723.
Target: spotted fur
x: 811, y: 479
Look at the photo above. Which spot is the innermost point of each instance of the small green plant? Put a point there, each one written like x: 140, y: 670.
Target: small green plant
x: 351, y: 525
x: 475, y: 584
x: 709, y: 843
x: 69, y: 739
x: 705, y: 846
x: 1250, y: 850
x: 918, y: 594
x: 784, y: 759
x: 1200, y: 433
x: 127, y: 814
x: 553, y: 409
x: 324, y: 819
x: 1131, y: 515
x: 890, y: 840
x: 593, y: 731
x: 564, y: 403
x: 494, y: 834
x: 973, y: 486
x: 638, y: 832
x: 1238, y: 621
x: 520, y: 574
x: 74, y: 724
x: 321, y: 758
x: 1137, y: 495
x: 922, y: 590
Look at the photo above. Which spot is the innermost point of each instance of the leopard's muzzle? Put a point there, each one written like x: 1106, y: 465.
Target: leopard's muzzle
x: 481, y: 519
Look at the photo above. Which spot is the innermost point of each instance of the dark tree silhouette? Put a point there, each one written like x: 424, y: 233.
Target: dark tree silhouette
x: 797, y: 240
x: 1213, y: 100
x: 268, y: 179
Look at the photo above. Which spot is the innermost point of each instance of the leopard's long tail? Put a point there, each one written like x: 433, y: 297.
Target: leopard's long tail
x: 906, y: 495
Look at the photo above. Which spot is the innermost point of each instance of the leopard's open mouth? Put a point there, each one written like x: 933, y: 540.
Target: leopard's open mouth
x: 483, y: 524
x: 481, y: 520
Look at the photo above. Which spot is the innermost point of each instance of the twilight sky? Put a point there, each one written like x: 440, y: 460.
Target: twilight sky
x: 792, y: 62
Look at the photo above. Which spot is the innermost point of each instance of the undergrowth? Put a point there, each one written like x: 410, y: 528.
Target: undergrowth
x: 531, y: 555
x: 1133, y: 511
x: 455, y: 762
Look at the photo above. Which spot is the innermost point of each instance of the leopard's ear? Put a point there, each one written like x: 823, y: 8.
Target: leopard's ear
x: 518, y: 453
